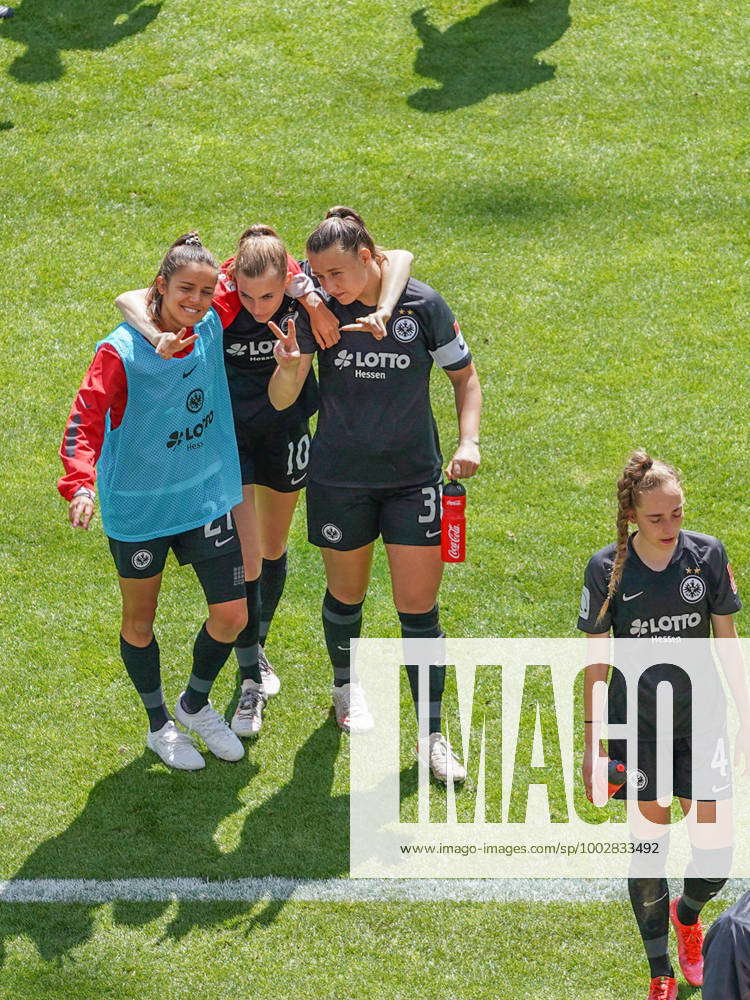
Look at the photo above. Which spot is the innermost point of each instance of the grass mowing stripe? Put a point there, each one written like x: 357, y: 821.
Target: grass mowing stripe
x: 334, y: 890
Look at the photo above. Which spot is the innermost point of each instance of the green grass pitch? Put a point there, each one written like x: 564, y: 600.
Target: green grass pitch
x: 572, y: 176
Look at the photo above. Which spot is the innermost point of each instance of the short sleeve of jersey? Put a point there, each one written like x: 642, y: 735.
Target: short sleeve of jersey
x: 305, y: 339
x: 594, y: 594
x: 445, y: 342
x: 226, y: 301
x: 300, y: 283
x: 723, y: 598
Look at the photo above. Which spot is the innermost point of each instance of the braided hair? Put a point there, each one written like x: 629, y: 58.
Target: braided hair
x: 641, y: 475
x: 188, y: 249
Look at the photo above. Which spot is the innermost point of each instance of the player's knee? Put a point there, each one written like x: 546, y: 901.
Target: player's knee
x: 229, y: 619
x: 274, y: 549
x: 648, y: 858
x: 348, y: 595
x: 712, y: 865
x: 413, y: 606
x: 252, y: 564
x: 139, y: 622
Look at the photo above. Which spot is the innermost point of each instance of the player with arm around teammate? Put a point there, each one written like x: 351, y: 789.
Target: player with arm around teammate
x: 158, y: 436
x: 263, y: 284
x: 664, y: 584
x: 375, y: 461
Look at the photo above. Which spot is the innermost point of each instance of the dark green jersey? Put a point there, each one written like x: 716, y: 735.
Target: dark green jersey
x: 375, y: 427
x: 662, y: 606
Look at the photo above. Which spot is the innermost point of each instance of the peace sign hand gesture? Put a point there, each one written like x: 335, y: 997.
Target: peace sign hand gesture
x: 172, y: 343
x: 286, y: 349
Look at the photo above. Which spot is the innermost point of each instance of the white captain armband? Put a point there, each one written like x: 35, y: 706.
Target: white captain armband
x: 452, y: 353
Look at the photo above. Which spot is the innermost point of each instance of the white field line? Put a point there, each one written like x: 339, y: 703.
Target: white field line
x: 335, y: 890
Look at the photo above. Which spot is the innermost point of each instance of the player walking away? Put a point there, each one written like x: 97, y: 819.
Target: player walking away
x: 159, y: 433
x: 375, y: 461
x: 680, y: 583
x: 727, y: 954
x: 262, y: 283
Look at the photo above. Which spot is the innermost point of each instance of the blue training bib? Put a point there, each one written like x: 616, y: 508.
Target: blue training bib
x: 172, y: 464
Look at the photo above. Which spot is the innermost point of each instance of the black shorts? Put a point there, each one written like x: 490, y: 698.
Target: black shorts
x: 213, y: 550
x: 711, y: 782
x: 344, y: 518
x: 275, y: 457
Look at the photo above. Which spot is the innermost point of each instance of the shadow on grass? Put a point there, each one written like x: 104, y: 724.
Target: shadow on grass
x: 147, y: 822
x: 49, y: 27
x: 492, y: 52
x: 6, y: 126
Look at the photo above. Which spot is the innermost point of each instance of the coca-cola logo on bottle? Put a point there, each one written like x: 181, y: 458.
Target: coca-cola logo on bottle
x: 454, y: 541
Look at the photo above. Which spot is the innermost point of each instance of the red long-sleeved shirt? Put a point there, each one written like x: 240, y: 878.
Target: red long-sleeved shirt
x: 105, y: 389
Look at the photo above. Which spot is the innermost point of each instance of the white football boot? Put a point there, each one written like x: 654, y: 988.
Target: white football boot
x: 248, y: 716
x: 175, y: 748
x: 271, y: 682
x: 443, y: 760
x: 212, y: 729
x: 352, y: 713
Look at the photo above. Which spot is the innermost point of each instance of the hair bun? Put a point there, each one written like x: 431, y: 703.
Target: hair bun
x: 258, y: 229
x: 344, y: 212
x: 193, y: 240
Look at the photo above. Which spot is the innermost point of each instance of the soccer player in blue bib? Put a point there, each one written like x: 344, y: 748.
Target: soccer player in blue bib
x: 159, y: 437
x: 664, y: 584
x: 375, y: 461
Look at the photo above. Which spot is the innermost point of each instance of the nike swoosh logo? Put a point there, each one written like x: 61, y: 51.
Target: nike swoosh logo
x: 186, y: 374
x: 431, y: 534
x: 219, y: 544
x: 295, y: 481
x: 720, y: 788
x: 631, y: 597
x: 344, y: 649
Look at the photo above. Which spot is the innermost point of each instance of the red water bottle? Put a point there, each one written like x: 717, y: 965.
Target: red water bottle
x: 616, y: 776
x: 615, y: 772
x: 453, y: 535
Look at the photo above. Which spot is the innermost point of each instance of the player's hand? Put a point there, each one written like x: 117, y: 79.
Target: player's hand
x: 80, y: 511
x: 587, y: 772
x: 590, y: 758
x: 742, y: 749
x: 374, y: 323
x: 465, y: 461
x: 172, y: 343
x: 286, y: 349
x: 324, y: 325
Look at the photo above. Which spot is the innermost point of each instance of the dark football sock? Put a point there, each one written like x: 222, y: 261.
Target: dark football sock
x: 144, y: 669
x: 209, y: 656
x: 425, y: 626
x: 705, y: 878
x: 341, y: 623
x: 246, y: 643
x: 649, y: 898
x: 272, y: 580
